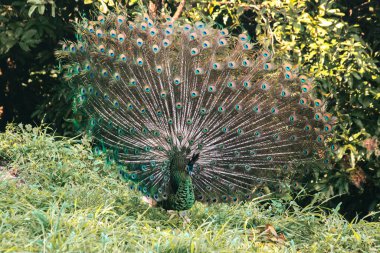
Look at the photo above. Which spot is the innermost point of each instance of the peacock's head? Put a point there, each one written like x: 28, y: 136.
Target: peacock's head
x: 190, y: 164
x: 179, y: 159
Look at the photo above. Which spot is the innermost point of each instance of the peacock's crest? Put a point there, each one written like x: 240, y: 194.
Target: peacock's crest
x: 158, y: 90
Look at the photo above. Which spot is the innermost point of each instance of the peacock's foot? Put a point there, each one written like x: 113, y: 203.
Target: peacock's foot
x: 181, y: 214
x: 151, y: 202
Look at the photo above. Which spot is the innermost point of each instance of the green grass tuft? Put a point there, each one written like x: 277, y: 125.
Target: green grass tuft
x: 56, y: 196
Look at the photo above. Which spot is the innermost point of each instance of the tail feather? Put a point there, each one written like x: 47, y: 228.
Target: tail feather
x: 151, y: 86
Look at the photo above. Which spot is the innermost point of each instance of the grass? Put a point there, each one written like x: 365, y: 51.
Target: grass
x: 57, y: 197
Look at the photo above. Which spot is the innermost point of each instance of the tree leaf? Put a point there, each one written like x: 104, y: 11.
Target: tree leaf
x: 324, y: 22
x: 28, y: 35
x: 41, y: 9
x: 31, y: 10
x: 24, y: 46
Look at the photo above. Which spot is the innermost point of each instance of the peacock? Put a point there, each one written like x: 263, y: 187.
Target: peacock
x: 189, y: 112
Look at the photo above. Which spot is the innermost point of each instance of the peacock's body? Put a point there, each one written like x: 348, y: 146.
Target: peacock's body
x: 191, y: 113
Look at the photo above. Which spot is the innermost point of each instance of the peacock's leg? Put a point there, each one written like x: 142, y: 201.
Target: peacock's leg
x: 182, y: 214
x: 185, y: 217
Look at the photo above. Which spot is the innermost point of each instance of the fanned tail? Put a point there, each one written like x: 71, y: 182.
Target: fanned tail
x: 151, y: 87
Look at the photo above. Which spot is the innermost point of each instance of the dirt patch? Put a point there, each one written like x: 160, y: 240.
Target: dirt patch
x: 9, y: 173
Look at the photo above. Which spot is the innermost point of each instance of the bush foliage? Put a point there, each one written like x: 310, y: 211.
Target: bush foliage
x: 337, y: 42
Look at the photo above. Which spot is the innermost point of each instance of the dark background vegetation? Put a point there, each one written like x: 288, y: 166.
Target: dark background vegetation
x: 337, y: 41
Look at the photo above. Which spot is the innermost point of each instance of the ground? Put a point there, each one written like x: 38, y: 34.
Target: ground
x: 56, y: 196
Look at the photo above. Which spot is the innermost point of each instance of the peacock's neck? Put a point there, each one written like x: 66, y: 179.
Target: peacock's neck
x: 178, y: 171
x: 182, y: 192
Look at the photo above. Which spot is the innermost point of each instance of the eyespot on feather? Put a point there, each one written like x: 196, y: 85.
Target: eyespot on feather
x: 139, y: 42
x: 327, y: 128
x: 168, y: 31
x: 334, y: 147
x: 292, y: 118
x: 178, y: 105
x: 121, y: 38
x: 268, y: 66
x: 99, y: 33
x: 101, y: 48
x: 146, y: 17
x: 117, y: 76
x: 193, y: 36
x: 223, y: 32
x: 264, y: 86
x: 73, y: 48
x: 221, y: 109
x: 317, y: 116
x: 150, y: 23
x: 288, y: 75
x: 131, y: 25
x: 303, y: 101
x: 217, y: 66
x: 123, y: 57
x: 243, y: 37
x: 139, y: 61
x: 199, y: 25
x: 303, y: 79
x: 247, y: 46
x: 120, y: 19
x: 163, y: 94
x: 159, y: 69
x: 246, y: 63
x: 247, y: 85
x: 187, y: 28
x: 274, y: 110
x: 205, y: 32
x: 318, y: 103
x: 166, y: 42
x: 168, y: 18
x: 155, y: 48
x: 101, y: 19
x: 194, y: 94
x: 327, y: 117
x: 177, y: 81
x: 238, y: 107
x: 265, y: 54
x: 113, y: 34
x: 287, y: 66
x: 194, y: 51
x: 90, y: 28
x: 284, y: 93
x: 111, y: 53
x: 143, y: 26
x: 231, y: 84
x: 198, y: 71
x: 153, y: 32
x: 206, y: 44
x: 211, y: 88
x: 222, y: 42
x: 305, y: 88
x: 231, y: 64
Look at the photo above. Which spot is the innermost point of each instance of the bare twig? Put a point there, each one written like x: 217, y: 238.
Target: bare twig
x: 152, y: 7
x: 155, y: 8
x: 179, y: 10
